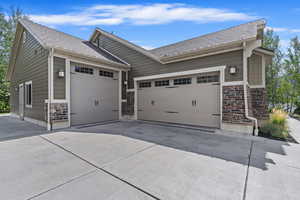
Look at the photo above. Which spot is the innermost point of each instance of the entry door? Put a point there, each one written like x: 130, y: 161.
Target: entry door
x: 21, y: 101
x: 94, y: 98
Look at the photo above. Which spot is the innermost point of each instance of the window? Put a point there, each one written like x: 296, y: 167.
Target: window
x: 182, y: 81
x: 162, y: 83
x: 28, y: 94
x: 207, y: 79
x: 145, y: 84
x: 106, y: 73
x: 84, y: 70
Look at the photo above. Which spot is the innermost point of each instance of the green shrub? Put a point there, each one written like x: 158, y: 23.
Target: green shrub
x: 4, y: 107
x: 276, y: 126
x: 274, y: 130
x: 278, y: 117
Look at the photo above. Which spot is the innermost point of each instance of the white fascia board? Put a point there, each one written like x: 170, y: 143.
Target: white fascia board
x: 85, y: 61
x: 181, y: 73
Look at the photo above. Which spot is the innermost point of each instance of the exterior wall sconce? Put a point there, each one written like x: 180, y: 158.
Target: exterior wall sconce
x: 61, y: 74
x: 232, y: 69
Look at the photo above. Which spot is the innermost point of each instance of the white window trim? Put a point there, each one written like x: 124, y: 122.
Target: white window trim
x: 28, y: 105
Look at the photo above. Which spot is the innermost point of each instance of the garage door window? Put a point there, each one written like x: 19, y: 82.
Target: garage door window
x: 84, y: 70
x: 162, y: 83
x: 106, y: 74
x: 208, y: 79
x: 145, y: 84
x: 182, y: 81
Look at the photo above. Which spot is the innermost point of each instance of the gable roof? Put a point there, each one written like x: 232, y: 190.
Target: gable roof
x: 238, y: 33
x: 50, y: 38
x: 125, y: 42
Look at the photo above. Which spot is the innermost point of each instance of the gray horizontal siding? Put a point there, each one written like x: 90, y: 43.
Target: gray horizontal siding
x: 31, y: 65
x: 59, y: 83
x: 144, y: 66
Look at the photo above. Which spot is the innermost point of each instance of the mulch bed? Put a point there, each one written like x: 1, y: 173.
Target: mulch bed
x: 288, y: 139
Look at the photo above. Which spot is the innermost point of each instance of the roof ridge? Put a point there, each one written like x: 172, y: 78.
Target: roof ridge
x: 30, y: 21
x: 262, y: 19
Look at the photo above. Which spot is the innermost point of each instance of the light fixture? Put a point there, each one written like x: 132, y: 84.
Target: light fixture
x: 61, y: 74
x: 232, y: 69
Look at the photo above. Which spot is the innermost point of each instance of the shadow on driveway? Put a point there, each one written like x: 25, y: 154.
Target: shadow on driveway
x: 14, y: 128
x: 233, y: 149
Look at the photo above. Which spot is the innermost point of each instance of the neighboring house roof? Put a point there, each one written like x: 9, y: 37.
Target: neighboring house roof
x: 50, y: 38
x: 238, y: 33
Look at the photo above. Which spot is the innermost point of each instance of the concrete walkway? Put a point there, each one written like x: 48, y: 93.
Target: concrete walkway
x: 135, y: 160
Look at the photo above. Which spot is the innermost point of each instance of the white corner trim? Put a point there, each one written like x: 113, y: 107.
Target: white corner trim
x: 120, y: 94
x: 68, y: 88
x: 50, y: 85
x: 35, y: 121
x: 181, y: 73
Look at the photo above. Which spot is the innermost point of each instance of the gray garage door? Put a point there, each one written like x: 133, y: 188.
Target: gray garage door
x: 193, y: 100
x: 94, y: 95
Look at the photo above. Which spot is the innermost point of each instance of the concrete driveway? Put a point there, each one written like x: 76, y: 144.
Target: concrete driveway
x: 135, y: 160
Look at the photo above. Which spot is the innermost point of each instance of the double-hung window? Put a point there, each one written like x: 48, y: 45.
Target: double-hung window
x: 28, y: 94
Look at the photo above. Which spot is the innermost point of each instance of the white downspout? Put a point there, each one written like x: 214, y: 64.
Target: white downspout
x: 245, y: 83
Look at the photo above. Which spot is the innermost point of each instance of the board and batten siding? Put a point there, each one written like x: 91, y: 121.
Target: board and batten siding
x: 59, y: 83
x: 144, y: 66
x: 255, y: 69
x: 31, y: 65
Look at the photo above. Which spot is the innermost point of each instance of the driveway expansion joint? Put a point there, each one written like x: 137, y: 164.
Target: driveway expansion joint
x: 62, y: 184
x: 101, y: 169
x: 247, y: 173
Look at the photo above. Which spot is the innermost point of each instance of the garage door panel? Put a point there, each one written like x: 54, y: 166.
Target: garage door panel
x: 93, y: 98
x: 175, y: 104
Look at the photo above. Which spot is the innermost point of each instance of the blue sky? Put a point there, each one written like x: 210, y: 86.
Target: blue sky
x: 156, y: 23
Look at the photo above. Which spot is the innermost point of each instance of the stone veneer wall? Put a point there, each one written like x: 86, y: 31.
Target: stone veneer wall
x: 59, y: 112
x: 259, y: 103
x: 234, y: 105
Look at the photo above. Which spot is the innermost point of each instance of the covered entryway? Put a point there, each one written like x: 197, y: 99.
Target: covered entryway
x: 94, y: 94
x: 192, y: 99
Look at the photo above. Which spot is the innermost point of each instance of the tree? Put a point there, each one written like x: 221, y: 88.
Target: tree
x: 272, y: 41
x: 8, y: 25
x: 292, y: 72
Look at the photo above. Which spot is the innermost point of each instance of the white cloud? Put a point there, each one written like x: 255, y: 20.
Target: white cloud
x: 281, y: 29
x: 147, y: 47
x: 141, y: 14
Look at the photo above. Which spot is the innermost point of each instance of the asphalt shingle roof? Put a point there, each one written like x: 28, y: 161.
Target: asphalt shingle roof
x: 58, y: 40
x: 230, y: 35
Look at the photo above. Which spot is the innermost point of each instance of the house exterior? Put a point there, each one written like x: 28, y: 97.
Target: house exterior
x: 216, y: 80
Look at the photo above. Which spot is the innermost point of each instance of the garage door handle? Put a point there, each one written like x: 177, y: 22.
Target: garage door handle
x: 72, y: 113
x: 216, y: 114
x: 216, y: 84
x: 171, y: 112
x: 140, y: 110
